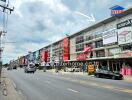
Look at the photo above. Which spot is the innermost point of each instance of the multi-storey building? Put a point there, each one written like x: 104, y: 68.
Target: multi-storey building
x: 109, y: 41
x: 105, y: 39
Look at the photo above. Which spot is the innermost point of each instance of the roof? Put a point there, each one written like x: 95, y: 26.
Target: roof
x: 116, y: 7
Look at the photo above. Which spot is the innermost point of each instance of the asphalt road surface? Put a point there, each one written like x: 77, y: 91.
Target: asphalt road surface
x: 56, y: 86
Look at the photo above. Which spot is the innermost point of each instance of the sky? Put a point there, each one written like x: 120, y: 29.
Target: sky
x: 36, y: 23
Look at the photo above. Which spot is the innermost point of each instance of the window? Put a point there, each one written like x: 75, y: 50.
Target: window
x: 100, y: 53
x: 79, y: 39
x: 89, y: 38
x: 79, y: 47
x: 127, y: 47
x: 113, y: 51
x: 99, y: 44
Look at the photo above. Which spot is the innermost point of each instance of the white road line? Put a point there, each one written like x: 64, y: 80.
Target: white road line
x: 47, y: 82
x: 69, y: 89
x: 14, y: 84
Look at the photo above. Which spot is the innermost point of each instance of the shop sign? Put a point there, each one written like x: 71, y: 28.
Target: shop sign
x: 125, y: 23
x: 125, y: 32
x: 91, y: 68
x: 65, y: 49
x: 114, y: 51
x: 125, y: 54
x: 44, y: 56
x: 109, y: 37
x: 125, y: 36
x: 117, y: 11
x: 86, y: 53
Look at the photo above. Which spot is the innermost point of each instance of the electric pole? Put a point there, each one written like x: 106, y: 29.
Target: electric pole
x: 5, y: 9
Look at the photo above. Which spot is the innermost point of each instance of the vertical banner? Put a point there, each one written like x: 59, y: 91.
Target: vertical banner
x: 65, y: 49
x: 44, y: 56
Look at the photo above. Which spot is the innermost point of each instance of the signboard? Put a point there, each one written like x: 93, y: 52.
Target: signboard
x: 117, y: 11
x: 125, y: 54
x: 44, y: 56
x: 65, y: 49
x: 91, y: 69
x: 125, y: 32
x: 109, y: 37
x: 113, y: 51
x: 86, y: 53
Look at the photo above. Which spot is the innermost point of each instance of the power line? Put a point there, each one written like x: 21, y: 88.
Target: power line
x: 5, y: 8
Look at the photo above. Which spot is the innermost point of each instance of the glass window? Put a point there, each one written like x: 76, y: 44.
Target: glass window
x: 79, y: 39
x: 99, y: 44
x: 100, y: 53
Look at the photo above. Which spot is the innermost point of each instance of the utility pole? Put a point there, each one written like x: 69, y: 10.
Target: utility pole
x: 5, y: 8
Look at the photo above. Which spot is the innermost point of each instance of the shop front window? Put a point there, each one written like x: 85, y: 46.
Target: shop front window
x: 79, y: 47
x: 100, y: 53
x: 99, y: 44
x: 79, y: 39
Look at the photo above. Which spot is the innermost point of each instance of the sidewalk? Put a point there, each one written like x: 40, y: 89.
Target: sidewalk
x: 8, y: 91
x: 126, y: 78
x: 72, y: 73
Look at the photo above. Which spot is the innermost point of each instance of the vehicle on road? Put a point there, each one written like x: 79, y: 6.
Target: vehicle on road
x: 30, y: 68
x: 108, y: 74
x: 14, y: 67
x: 9, y: 68
x: 72, y: 69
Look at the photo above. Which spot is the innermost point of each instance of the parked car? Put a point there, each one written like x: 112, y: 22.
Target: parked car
x: 14, y: 67
x: 76, y: 69
x: 72, y: 69
x: 9, y: 68
x: 108, y: 74
x: 30, y: 68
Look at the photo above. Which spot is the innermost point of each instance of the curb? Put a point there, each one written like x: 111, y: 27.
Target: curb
x: 9, y: 89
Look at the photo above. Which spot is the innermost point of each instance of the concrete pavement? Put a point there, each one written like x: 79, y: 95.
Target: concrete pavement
x: 8, y: 90
x: 126, y: 78
x: 57, y: 86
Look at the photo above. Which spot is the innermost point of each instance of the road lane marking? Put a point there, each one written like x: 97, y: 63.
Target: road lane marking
x: 14, y: 84
x: 106, y: 86
x: 94, y: 84
x: 48, y: 82
x: 69, y: 89
x: 126, y: 90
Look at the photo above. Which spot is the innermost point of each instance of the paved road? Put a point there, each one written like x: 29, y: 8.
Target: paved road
x: 51, y: 86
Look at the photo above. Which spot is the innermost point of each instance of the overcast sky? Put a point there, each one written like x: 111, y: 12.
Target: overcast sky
x: 36, y: 23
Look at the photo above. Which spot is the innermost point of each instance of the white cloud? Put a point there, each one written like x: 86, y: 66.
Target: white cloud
x: 36, y: 23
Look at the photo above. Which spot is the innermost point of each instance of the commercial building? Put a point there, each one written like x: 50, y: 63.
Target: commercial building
x: 107, y: 43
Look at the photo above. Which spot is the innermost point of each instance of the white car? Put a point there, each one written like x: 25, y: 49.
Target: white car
x: 72, y: 69
x: 30, y: 68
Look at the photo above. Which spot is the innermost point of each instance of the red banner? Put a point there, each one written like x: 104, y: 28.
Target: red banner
x: 21, y: 60
x: 44, y: 56
x: 86, y: 53
x: 65, y: 49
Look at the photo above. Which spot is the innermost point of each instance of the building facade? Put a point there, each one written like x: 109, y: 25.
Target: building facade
x: 108, y: 43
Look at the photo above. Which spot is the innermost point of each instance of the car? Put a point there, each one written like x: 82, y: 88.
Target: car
x: 108, y: 74
x: 30, y: 68
x: 14, y: 67
x: 76, y: 69
x: 9, y: 68
x: 72, y: 69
